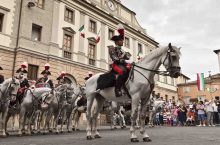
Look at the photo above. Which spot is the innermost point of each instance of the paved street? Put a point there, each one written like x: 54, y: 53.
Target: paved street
x: 159, y: 135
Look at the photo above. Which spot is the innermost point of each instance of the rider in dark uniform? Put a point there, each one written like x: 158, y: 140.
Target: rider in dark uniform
x: 61, y: 78
x: 45, y: 79
x: 1, y: 77
x: 90, y: 74
x: 119, y: 58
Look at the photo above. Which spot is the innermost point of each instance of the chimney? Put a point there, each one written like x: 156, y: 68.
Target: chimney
x: 218, y: 53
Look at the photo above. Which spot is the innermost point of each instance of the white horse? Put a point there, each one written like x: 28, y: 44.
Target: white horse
x: 140, y: 85
x: 8, y: 92
x: 29, y: 105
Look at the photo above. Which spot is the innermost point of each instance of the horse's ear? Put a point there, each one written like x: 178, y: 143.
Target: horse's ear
x: 179, y: 48
x: 170, y: 46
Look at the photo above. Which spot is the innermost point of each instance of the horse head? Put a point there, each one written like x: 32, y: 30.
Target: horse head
x: 171, y: 61
x: 9, y: 89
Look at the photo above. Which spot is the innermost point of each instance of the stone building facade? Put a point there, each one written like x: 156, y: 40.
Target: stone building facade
x: 42, y: 30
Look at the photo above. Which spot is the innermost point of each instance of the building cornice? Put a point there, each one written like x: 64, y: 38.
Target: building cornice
x: 64, y: 60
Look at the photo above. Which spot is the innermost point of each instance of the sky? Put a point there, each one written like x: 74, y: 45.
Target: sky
x: 193, y: 25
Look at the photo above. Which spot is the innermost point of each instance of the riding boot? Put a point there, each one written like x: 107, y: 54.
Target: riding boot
x: 118, y: 85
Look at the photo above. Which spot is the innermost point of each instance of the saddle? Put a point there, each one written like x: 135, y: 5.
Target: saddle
x: 108, y: 80
x: 42, y: 85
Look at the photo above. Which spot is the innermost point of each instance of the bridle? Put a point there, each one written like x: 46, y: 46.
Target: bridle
x: 164, y: 73
x: 8, y: 89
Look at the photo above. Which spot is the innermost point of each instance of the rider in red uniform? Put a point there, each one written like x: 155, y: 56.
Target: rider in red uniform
x: 61, y: 78
x: 119, y: 58
x: 45, y: 79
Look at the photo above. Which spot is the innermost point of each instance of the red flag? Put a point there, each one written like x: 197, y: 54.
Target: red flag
x: 82, y: 34
x: 97, y: 39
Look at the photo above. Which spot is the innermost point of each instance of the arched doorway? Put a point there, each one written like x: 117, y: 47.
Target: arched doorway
x: 69, y: 79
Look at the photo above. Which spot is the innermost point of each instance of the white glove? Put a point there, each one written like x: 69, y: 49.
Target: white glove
x: 128, y: 61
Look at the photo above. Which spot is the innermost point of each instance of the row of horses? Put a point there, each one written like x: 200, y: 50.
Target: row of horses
x: 60, y: 101
x: 52, y: 105
x: 38, y: 103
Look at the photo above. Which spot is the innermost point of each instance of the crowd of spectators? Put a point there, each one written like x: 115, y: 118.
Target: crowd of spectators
x: 199, y: 113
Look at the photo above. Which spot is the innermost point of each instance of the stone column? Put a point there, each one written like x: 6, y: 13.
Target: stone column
x: 103, y: 49
x: 81, y: 52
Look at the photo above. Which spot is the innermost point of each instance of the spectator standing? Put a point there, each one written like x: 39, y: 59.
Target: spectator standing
x: 201, y: 113
x: 210, y: 112
x: 215, y: 110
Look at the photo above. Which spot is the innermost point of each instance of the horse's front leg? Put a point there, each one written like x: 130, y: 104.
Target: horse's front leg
x: 29, y: 121
x: 144, y: 110
x: 90, y: 99
x: 98, y: 108
x: 4, y: 116
x: 134, y: 114
x: 22, y: 120
x: 63, y: 118
x: 6, y: 122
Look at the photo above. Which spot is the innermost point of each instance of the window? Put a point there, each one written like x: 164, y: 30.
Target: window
x: 110, y: 33
x: 173, y: 98
x: 1, y: 21
x: 166, y: 98
x: 91, y: 54
x: 186, y: 89
x: 40, y: 3
x: 140, y: 49
x: 32, y: 72
x: 127, y: 43
x: 172, y: 81
x: 92, y: 26
x: 165, y: 79
x: 36, y: 32
x: 67, y: 46
x: 69, y: 15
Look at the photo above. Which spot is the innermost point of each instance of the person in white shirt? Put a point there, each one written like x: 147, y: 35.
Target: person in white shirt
x: 215, y: 112
x: 210, y: 112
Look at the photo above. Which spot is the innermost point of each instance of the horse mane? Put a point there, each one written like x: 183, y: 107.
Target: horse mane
x: 159, y: 51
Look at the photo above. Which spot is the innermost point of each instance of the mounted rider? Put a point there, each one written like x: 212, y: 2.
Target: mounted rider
x: 120, y: 59
x: 90, y: 74
x: 21, y: 75
x: 61, y: 78
x: 1, y: 76
x: 45, y: 80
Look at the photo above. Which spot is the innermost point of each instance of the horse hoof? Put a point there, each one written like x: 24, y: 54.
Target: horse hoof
x: 61, y: 132
x: 73, y: 129
x: 57, y: 132
x: 134, y: 140
x: 50, y: 131
x: 4, y: 136
x: 77, y: 129
x: 7, y: 134
x: 89, y: 137
x: 147, y: 139
x: 97, y: 136
x: 69, y: 131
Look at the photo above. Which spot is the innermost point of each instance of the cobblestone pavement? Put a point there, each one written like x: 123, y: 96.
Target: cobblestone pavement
x: 159, y: 136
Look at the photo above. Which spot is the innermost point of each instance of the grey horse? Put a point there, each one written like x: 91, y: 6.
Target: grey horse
x: 29, y: 106
x: 8, y: 92
x: 59, y: 107
x: 78, y: 107
x: 139, y: 85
